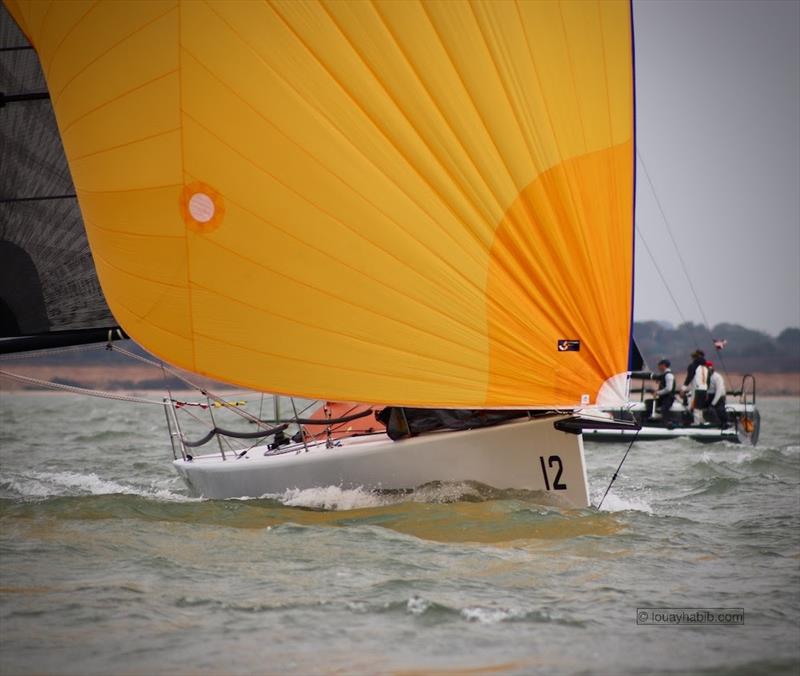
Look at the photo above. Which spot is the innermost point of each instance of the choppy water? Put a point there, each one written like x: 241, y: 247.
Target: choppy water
x: 106, y: 566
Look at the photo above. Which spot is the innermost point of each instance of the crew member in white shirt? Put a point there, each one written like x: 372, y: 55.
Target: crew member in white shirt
x: 716, y: 395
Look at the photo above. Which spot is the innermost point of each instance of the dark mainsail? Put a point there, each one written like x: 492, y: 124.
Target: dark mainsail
x: 49, y: 292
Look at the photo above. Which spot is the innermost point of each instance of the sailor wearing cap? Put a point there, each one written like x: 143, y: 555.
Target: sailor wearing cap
x: 665, y: 394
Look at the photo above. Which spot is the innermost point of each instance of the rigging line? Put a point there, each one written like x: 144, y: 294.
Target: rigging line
x: 619, y: 467
x: 706, y: 324
x: 214, y: 430
x: 166, y: 386
x: 664, y: 282
x: 193, y: 416
x: 244, y: 414
x: 76, y: 390
x: 297, y: 420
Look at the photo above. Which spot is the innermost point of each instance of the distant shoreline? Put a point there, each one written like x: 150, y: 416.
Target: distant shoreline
x: 135, y: 377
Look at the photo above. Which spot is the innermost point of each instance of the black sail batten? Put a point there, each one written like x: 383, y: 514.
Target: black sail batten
x: 49, y: 292
x: 17, y: 98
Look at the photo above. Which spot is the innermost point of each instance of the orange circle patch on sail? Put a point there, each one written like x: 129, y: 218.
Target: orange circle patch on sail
x: 202, y: 207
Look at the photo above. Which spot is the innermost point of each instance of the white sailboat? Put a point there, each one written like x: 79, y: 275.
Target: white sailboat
x: 528, y: 454
x: 743, y: 424
x: 422, y: 205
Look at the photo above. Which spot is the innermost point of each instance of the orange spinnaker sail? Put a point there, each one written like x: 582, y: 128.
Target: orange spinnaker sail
x: 398, y: 202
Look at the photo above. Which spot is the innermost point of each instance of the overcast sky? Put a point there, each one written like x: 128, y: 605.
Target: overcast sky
x: 718, y: 129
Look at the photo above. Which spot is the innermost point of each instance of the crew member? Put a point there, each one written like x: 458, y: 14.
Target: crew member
x: 697, y: 378
x: 716, y: 395
x: 665, y: 394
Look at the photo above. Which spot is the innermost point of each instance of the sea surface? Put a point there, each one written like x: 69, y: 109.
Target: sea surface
x: 107, y: 566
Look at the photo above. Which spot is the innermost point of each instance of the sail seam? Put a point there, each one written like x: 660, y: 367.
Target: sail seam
x: 67, y: 34
x: 521, y: 224
x: 334, y: 218
x: 511, y: 271
x: 556, y: 202
x: 536, y: 161
x: 443, y: 203
x: 483, y: 211
x: 149, y: 137
x: 108, y: 102
x: 107, y: 51
x: 577, y: 204
x: 609, y: 360
x: 451, y: 267
x: 611, y: 159
x: 328, y: 293
x: 128, y: 233
x: 349, y: 369
x: 503, y: 208
x: 98, y: 255
x: 492, y: 302
x: 328, y: 329
x: 143, y: 319
x: 45, y: 16
x: 126, y: 190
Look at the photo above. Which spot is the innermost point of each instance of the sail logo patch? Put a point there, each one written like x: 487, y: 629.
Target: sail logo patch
x: 565, y: 345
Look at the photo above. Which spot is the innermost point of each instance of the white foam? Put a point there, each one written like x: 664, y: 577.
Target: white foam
x: 618, y: 503
x: 57, y: 484
x: 417, y: 605
x: 490, y: 615
x: 331, y: 497
x: 445, y: 492
x: 338, y: 498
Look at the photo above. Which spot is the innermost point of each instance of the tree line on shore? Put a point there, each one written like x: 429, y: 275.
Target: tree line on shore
x: 745, y: 350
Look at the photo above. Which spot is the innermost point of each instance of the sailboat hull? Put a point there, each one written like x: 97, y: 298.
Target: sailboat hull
x: 530, y: 455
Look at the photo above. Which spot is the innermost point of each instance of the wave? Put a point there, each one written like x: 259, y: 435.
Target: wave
x: 622, y: 503
x: 336, y: 498
x: 416, y: 606
x: 331, y: 498
x: 716, y: 485
x: 771, y: 464
x: 429, y: 610
x: 41, y: 485
x: 470, y: 521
